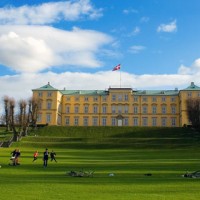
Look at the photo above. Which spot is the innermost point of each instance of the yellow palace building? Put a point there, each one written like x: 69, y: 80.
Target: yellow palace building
x: 114, y: 106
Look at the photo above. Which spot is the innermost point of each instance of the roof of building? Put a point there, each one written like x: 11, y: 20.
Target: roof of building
x: 174, y: 92
x: 46, y: 87
x: 192, y: 87
x: 156, y: 92
x: 84, y: 92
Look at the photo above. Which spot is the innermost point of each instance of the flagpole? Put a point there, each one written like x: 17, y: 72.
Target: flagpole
x: 120, y: 78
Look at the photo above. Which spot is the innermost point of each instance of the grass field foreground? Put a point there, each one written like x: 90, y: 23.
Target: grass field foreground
x: 166, y: 154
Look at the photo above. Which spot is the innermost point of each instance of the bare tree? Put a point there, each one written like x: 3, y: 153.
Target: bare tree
x: 12, y: 119
x: 22, y: 117
x: 33, y: 110
x: 6, y: 100
x: 193, y: 112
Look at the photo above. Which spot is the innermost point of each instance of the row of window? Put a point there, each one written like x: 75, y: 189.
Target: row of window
x: 124, y: 98
x: 125, y: 121
x: 120, y: 97
x: 122, y: 109
x: 115, y: 122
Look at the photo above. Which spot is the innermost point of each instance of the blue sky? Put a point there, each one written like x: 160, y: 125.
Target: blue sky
x: 75, y: 44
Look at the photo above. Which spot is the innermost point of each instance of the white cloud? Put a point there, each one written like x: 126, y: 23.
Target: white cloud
x: 136, y: 49
x: 191, y: 70
x: 144, y: 19
x: 20, y: 86
x: 136, y: 31
x: 171, y: 27
x: 36, y: 48
x: 48, y: 13
x: 128, y: 11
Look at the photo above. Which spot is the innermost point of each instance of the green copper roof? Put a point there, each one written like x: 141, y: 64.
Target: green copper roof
x: 156, y: 92
x: 46, y: 87
x: 192, y: 87
x: 175, y: 92
x: 84, y: 92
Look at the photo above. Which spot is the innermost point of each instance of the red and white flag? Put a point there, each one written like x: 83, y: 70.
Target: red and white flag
x: 117, y: 67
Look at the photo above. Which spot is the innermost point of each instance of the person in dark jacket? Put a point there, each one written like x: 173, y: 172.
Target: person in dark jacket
x: 45, y: 158
x: 53, y: 156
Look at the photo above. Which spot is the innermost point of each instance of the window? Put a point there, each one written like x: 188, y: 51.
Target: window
x: 120, y: 97
x: 144, y: 121
x: 76, y: 98
x: 67, y: 121
x: 135, y: 121
x: 164, y: 109
x: 126, y: 97
x: 67, y: 109
x: 114, y: 121
x: 163, y: 99
x: 86, y: 99
x: 39, y: 117
x: 154, y: 109
x: 126, y: 109
x: 144, y: 99
x: 104, y: 109
x: 173, y: 109
x: 49, y: 105
x: 104, y: 98
x: 48, y: 118
x: 154, y: 99
x: 49, y: 94
x: 135, y: 99
x: 173, y: 121
x: 163, y: 121
x: 95, y: 121
x: 119, y: 109
x: 144, y: 109
x: 135, y: 109
x: 86, y: 109
x: 67, y: 98
x: 154, y: 121
x: 76, y: 121
x: 113, y: 109
x: 40, y: 105
x: 113, y: 97
x: 95, y: 109
x: 85, y: 121
x: 126, y: 121
x: 76, y: 109
x: 104, y: 121
x: 189, y: 94
x: 95, y: 99
x: 39, y: 94
x: 173, y: 99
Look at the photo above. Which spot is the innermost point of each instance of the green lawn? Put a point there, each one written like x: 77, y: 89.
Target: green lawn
x: 167, y: 156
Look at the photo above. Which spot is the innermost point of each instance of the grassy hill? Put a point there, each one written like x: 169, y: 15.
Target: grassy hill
x: 112, y: 137
x: 127, y: 152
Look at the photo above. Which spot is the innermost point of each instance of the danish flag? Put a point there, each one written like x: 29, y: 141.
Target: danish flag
x: 117, y: 67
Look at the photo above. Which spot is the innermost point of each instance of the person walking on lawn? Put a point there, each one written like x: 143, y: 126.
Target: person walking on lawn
x: 35, y: 156
x: 45, y: 158
x: 53, y: 156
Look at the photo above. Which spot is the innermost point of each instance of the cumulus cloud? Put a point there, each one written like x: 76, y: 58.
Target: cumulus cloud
x: 36, y: 48
x: 20, y: 86
x: 48, y: 13
x: 130, y: 10
x: 135, y: 31
x: 136, y: 49
x: 193, y: 69
x: 171, y: 27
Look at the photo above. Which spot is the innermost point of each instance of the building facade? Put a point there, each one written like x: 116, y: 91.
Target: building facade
x: 114, y: 107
